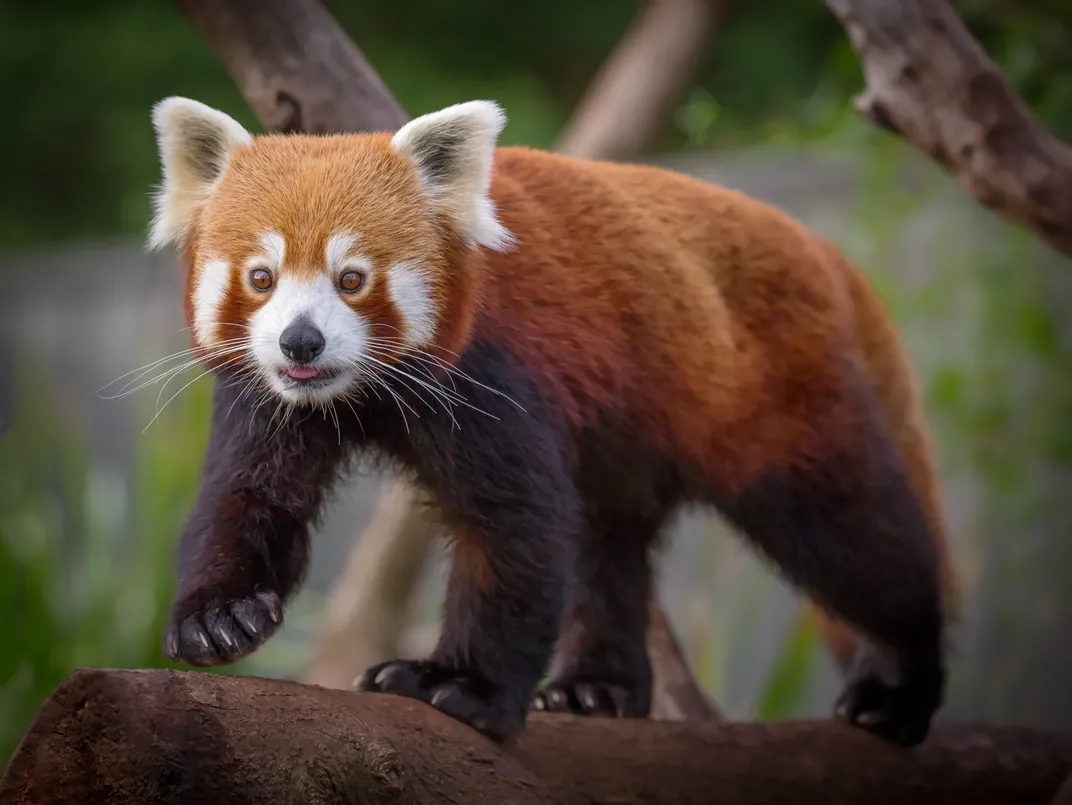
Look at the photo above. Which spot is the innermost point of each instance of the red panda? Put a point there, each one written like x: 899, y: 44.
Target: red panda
x: 564, y: 353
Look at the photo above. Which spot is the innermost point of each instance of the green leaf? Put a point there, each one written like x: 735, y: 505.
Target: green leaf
x: 788, y: 681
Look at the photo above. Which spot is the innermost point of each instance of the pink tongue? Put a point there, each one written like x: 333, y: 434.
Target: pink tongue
x: 302, y: 372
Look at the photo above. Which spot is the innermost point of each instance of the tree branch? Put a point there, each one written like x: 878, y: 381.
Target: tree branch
x: 296, y: 68
x: 171, y: 736
x: 931, y: 82
x: 364, y: 618
x: 675, y: 693
x: 631, y: 96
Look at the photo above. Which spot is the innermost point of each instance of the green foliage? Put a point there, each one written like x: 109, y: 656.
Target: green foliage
x: 83, y: 75
x: 787, y: 682
x: 86, y: 573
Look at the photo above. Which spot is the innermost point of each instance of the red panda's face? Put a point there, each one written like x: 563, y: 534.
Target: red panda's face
x: 316, y: 262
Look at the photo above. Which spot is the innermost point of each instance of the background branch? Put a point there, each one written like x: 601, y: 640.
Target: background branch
x: 633, y: 94
x: 931, y: 82
x: 364, y: 619
x: 296, y: 68
x: 171, y: 736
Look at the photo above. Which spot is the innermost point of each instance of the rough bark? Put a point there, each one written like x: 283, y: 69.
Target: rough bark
x: 125, y: 737
x: 296, y: 68
x: 930, y: 81
x: 631, y: 97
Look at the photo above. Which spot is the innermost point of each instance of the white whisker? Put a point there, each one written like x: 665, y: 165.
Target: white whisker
x: 177, y: 393
x: 376, y: 379
x: 168, y: 374
x: 451, y: 369
x: 144, y: 370
x: 240, y: 349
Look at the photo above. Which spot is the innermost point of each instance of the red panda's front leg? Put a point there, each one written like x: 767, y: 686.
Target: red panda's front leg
x: 245, y: 545
x: 505, y: 486
x: 504, y: 599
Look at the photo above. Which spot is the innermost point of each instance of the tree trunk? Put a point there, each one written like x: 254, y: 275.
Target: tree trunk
x: 931, y: 82
x: 126, y: 737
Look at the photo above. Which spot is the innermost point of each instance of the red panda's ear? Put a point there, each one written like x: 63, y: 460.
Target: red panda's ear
x: 453, y: 151
x: 194, y: 142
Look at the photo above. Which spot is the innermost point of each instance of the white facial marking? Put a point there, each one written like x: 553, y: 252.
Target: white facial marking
x: 210, y: 288
x: 338, y: 249
x: 275, y: 247
x: 412, y: 295
x: 345, y: 334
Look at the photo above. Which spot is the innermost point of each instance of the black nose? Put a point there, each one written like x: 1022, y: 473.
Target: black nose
x: 301, y: 341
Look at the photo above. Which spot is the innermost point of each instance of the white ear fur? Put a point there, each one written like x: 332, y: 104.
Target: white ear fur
x: 453, y: 150
x: 194, y: 142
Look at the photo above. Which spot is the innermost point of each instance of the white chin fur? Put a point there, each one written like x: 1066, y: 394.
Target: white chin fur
x: 319, y: 394
x: 345, y: 335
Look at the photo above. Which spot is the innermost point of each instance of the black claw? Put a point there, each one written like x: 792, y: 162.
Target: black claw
x: 217, y: 634
x: 463, y: 695
x: 899, y: 713
x: 601, y: 699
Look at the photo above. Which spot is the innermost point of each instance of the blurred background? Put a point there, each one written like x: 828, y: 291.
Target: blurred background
x: 93, y: 491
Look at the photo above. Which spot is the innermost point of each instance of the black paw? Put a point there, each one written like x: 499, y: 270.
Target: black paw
x: 464, y: 695
x: 218, y: 633
x: 590, y: 698
x: 901, y: 712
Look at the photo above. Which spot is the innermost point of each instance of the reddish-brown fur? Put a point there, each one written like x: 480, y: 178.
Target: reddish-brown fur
x: 724, y: 291
x: 739, y: 355
x: 714, y: 283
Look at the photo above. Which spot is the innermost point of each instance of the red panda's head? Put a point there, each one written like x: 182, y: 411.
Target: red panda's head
x: 317, y: 260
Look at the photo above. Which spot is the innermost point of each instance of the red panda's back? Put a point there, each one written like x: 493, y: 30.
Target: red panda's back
x: 653, y: 292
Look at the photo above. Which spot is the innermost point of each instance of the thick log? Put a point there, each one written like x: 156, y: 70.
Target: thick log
x: 125, y: 737
x: 929, y: 80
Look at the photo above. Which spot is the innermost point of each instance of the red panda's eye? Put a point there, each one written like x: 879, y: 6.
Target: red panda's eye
x: 351, y: 281
x: 260, y: 278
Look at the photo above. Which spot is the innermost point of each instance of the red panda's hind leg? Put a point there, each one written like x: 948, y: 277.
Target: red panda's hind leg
x: 601, y: 665
x: 842, y: 521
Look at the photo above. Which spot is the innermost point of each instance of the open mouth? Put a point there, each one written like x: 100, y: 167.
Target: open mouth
x: 307, y: 376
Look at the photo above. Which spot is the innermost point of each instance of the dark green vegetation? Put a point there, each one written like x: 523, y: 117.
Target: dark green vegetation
x: 78, y: 77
